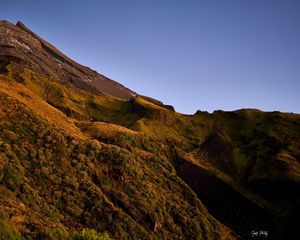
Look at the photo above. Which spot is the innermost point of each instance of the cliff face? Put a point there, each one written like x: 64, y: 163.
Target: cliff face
x: 78, y: 150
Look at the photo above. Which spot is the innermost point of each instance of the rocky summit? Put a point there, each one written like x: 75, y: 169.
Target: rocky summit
x: 83, y: 157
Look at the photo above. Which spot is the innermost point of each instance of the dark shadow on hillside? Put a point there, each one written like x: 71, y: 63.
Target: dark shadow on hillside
x: 225, y: 203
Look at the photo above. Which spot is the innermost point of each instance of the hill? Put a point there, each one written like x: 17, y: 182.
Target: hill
x: 79, y: 150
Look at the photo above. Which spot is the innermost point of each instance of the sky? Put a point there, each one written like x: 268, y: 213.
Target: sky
x: 193, y: 54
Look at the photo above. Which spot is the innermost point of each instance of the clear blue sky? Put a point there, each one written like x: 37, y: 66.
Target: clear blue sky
x: 205, y: 54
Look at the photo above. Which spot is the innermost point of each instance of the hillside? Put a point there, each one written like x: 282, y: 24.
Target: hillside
x: 80, y: 151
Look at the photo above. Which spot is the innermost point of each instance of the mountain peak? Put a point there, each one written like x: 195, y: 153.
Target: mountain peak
x: 23, y: 27
x: 32, y: 52
x: 20, y: 24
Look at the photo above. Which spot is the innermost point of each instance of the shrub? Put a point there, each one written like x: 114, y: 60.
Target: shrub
x: 11, y: 177
x: 89, y: 234
x: 62, y: 234
x: 7, y: 232
x: 9, y: 135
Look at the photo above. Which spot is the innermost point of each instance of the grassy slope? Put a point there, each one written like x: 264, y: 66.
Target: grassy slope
x: 250, y: 150
x: 57, y: 172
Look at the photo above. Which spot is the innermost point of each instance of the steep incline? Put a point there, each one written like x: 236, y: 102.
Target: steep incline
x: 25, y: 49
x: 55, y: 175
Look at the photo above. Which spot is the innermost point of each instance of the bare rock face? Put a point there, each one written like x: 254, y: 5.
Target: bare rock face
x: 22, y: 48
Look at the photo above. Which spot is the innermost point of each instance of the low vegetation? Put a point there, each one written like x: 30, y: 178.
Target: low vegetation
x: 76, y: 163
x: 69, y: 174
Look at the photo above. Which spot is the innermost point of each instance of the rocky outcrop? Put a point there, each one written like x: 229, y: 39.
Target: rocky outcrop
x: 154, y: 113
x: 159, y: 103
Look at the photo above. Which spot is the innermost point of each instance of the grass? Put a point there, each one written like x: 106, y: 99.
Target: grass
x: 109, y: 164
x: 61, y: 234
x: 99, y: 175
x: 9, y: 233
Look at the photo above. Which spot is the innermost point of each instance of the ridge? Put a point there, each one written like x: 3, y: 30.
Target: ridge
x: 43, y: 55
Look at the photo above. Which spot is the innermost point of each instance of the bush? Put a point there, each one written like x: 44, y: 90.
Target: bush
x: 10, y: 177
x: 7, y: 232
x: 89, y: 234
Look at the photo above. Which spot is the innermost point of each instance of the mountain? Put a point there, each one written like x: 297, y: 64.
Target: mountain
x: 27, y: 50
x: 80, y: 152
